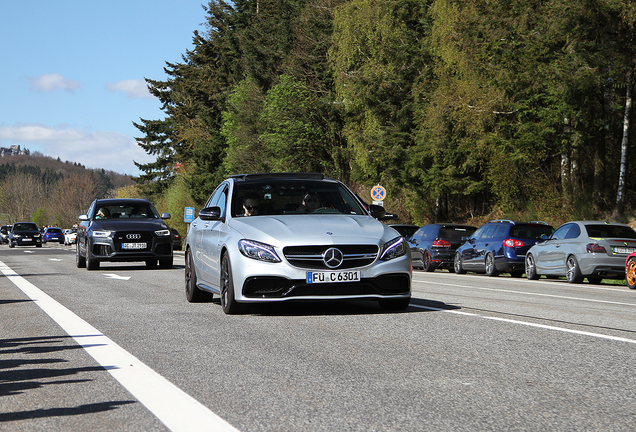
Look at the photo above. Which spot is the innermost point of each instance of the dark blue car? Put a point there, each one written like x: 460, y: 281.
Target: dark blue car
x: 53, y: 234
x: 499, y: 246
x: 433, y: 246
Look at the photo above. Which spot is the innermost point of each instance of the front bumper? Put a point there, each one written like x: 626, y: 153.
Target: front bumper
x: 105, y: 249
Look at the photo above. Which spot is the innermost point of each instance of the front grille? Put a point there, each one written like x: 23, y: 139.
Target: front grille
x: 121, y: 237
x: 273, y: 287
x: 311, y: 257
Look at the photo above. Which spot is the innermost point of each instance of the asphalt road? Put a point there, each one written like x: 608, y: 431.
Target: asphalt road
x: 120, y: 349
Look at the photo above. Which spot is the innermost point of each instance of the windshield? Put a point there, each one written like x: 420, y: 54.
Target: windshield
x: 283, y: 197
x: 25, y: 227
x: 126, y: 211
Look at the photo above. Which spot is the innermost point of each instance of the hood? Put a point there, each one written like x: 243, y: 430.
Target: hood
x: 320, y: 229
x: 127, y: 225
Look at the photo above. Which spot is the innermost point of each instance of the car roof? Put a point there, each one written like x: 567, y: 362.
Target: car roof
x: 115, y: 201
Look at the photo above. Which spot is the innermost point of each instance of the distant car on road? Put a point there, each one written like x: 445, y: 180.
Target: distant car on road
x: 25, y: 234
x: 53, y: 234
x: 123, y: 230
x: 595, y: 250
x: 433, y: 246
x: 70, y: 236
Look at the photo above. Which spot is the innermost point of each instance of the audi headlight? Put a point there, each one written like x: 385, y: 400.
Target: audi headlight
x: 16, y: 236
x: 258, y: 251
x: 162, y: 233
x: 393, y: 249
x: 101, y: 234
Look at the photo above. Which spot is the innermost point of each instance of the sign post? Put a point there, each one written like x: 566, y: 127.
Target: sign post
x: 378, y: 193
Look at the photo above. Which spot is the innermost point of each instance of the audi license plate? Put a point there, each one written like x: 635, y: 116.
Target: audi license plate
x: 133, y: 245
x: 333, y: 276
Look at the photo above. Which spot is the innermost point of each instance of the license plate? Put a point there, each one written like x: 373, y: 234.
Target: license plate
x: 333, y: 276
x: 133, y: 245
x: 26, y: 239
x: 623, y: 250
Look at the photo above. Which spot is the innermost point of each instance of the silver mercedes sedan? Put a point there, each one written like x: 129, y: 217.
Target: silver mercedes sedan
x: 594, y: 250
x: 283, y: 237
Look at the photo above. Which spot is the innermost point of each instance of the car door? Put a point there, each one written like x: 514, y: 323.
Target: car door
x: 469, y: 249
x: 414, y: 245
x: 550, y: 255
x: 204, y: 237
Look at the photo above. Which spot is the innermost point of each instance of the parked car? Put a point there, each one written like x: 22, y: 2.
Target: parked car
x: 405, y: 230
x: 500, y: 246
x: 287, y: 251
x: 25, y: 234
x: 70, y: 236
x: 4, y: 233
x: 433, y: 246
x: 176, y: 240
x: 123, y: 230
x: 53, y: 234
x: 630, y: 270
x: 595, y: 250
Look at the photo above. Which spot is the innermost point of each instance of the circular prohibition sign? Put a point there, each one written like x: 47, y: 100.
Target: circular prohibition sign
x: 378, y: 193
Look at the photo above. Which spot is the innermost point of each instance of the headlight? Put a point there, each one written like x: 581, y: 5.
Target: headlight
x: 258, y: 251
x: 101, y: 234
x: 37, y: 236
x: 162, y: 233
x: 17, y: 235
x: 393, y: 249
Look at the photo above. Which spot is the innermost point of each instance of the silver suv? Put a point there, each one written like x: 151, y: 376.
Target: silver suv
x: 280, y: 237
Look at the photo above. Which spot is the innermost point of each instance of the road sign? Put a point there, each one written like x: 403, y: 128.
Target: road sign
x: 188, y: 214
x: 378, y: 193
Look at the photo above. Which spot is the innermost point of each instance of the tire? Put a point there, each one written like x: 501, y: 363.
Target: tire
x: 193, y: 293
x: 572, y: 270
x: 166, y: 263
x: 630, y: 273
x: 531, y: 268
x: 427, y: 264
x: 491, y: 269
x: 91, y: 263
x: 11, y: 245
x: 80, y: 261
x: 457, y: 264
x: 228, y: 303
x: 394, y: 304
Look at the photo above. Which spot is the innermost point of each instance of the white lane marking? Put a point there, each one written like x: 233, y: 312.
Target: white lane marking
x: 529, y: 324
x: 29, y: 251
x: 172, y: 406
x: 114, y: 276
x: 527, y: 293
x: 54, y: 259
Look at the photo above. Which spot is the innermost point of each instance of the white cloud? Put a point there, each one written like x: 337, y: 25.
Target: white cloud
x: 111, y: 151
x: 49, y: 82
x: 133, y: 88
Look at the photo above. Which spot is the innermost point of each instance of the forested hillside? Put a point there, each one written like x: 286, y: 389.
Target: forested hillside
x: 51, y: 192
x: 460, y: 108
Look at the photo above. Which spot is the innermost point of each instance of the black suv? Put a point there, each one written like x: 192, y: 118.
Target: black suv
x: 120, y: 230
x: 25, y: 234
x: 499, y: 246
x: 434, y: 245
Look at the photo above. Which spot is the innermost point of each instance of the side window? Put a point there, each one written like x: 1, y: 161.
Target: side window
x: 215, y: 196
x: 425, y: 233
x: 90, y: 210
x: 221, y: 200
x: 574, y: 232
x: 562, y: 232
x: 418, y: 235
x: 477, y: 234
x: 500, y: 231
x: 489, y: 232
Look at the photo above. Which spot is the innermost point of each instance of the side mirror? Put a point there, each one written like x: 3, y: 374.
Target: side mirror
x: 377, y: 211
x: 165, y: 215
x: 210, y: 214
x: 83, y: 217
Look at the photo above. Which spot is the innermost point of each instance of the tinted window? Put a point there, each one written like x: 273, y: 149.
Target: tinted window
x: 489, y: 232
x: 54, y: 230
x: 530, y: 231
x: 479, y: 232
x: 455, y: 233
x: 25, y: 227
x: 574, y: 232
x: 561, y: 232
x: 610, y: 231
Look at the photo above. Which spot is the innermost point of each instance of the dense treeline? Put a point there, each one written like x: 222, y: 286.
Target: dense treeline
x: 51, y: 192
x: 459, y: 108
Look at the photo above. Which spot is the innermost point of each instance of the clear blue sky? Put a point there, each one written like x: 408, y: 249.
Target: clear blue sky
x: 72, y: 74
